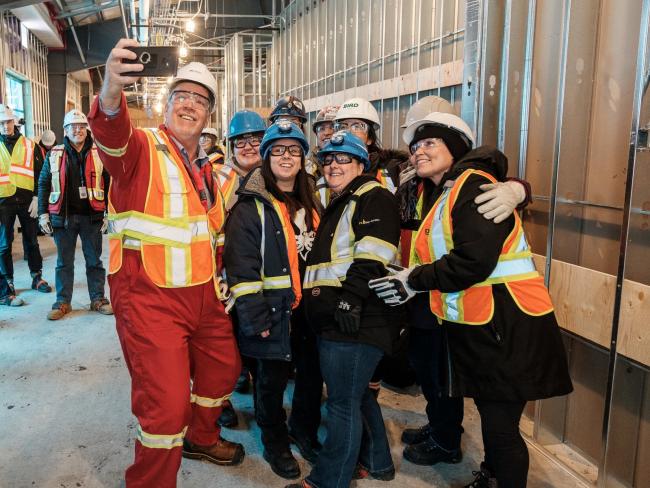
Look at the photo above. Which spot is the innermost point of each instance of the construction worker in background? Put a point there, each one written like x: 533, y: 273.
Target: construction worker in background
x: 48, y: 140
x: 323, y: 127
x: 20, y: 165
x: 72, y: 190
x: 208, y: 142
x: 165, y: 221
x: 289, y: 108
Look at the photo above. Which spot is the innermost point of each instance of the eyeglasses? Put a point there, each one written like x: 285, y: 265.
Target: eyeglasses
x: 358, y: 127
x: 254, y: 141
x: 340, y: 158
x: 285, y: 119
x: 426, y: 144
x: 279, y: 150
x: 323, y: 126
x: 181, y: 96
x: 77, y: 127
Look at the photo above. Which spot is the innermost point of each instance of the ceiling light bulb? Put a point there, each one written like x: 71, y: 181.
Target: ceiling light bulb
x: 183, y: 52
x: 190, y: 26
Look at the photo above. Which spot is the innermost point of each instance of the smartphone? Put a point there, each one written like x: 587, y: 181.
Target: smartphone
x: 157, y: 61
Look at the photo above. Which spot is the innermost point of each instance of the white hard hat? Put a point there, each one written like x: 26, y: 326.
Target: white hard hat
x: 450, y: 128
x: 358, y: 108
x: 197, y: 73
x: 74, y: 116
x: 48, y: 138
x: 6, y: 113
x: 211, y: 131
x: 424, y: 106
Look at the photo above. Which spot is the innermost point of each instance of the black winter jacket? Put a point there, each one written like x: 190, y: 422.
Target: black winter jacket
x: 22, y: 196
x: 71, y: 190
x: 375, y: 216
x: 269, y: 309
x: 515, y: 356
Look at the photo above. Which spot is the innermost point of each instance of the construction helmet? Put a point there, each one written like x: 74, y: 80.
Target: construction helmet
x: 348, y: 143
x: 6, y: 113
x: 359, y: 108
x: 210, y: 131
x: 198, y: 73
x: 288, y: 106
x: 450, y: 128
x: 424, y: 106
x: 74, y: 116
x: 326, y: 114
x: 48, y: 138
x: 245, y: 122
x: 283, y: 129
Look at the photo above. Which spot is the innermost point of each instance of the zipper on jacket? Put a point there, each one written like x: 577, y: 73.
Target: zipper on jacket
x: 497, y: 336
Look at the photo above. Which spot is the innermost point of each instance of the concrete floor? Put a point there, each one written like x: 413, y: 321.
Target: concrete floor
x: 65, y: 419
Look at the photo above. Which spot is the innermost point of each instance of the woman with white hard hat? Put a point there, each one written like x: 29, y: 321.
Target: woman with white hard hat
x: 474, y: 280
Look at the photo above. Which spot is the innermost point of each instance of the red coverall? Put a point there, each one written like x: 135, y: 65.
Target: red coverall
x: 169, y: 336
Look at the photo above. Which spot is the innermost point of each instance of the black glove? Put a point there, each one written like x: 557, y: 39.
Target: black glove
x: 348, y: 317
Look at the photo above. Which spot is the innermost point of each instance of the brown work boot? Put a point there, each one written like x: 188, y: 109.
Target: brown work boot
x: 58, y: 311
x: 102, y: 306
x: 223, y: 452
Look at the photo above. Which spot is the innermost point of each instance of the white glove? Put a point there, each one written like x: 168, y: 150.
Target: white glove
x: 407, y: 174
x: 44, y: 223
x: 500, y: 199
x: 33, y: 208
x: 394, y: 289
x: 104, y: 228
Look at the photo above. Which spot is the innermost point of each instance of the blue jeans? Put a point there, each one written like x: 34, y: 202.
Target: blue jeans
x: 91, y: 245
x: 355, y: 427
x: 8, y: 214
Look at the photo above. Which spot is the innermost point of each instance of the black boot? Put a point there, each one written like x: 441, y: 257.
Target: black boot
x: 483, y: 479
x: 228, y: 417
x: 415, y: 436
x: 243, y: 384
x: 282, y: 462
x: 429, y: 452
x: 308, y: 448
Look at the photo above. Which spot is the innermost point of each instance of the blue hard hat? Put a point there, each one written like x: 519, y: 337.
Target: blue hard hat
x: 289, y: 106
x: 348, y: 143
x: 282, y: 129
x: 245, y: 122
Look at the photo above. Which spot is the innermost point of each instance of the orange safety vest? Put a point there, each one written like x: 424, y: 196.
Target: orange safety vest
x: 228, y: 180
x: 17, y: 168
x: 177, y: 239
x: 92, y: 174
x: 515, y: 267
x: 215, y: 159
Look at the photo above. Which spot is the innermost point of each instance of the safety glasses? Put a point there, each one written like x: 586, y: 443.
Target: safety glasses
x: 179, y: 97
x: 358, y: 127
x: 426, y: 144
x: 254, y: 141
x: 340, y: 158
x: 280, y: 149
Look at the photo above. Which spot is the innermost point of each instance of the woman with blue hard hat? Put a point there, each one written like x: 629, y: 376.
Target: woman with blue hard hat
x: 268, y: 237
x: 358, y: 235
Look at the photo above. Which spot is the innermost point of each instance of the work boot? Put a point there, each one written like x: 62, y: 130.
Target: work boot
x: 282, y: 462
x: 12, y: 301
x: 308, y: 448
x: 223, y: 452
x: 102, y: 306
x: 58, y: 311
x: 39, y: 284
x: 228, y: 417
x: 415, y: 436
x: 429, y: 452
x: 243, y: 383
x: 483, y: 479
x: 361, y: 473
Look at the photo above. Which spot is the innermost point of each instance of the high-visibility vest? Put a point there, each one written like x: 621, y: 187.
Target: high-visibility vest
x: 383, y: 177
x: 92, y: 175
x: 284, y: 281
x: 215, y: 159
x: 17, y: 168
x: 344, y: 249
x: 515, y: 267
x: 228, y: 180
x: 177, y: 239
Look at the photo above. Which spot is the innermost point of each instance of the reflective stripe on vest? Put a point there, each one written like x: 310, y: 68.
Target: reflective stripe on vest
x: 58, y: 181
x: 228, y: 180
x: 159, y: 441
x: 323, y: 192
x: 383, y: 177
x: 17, y: 168
x: 344, y: 249
x: 475, y: 305
x: 174, y: 234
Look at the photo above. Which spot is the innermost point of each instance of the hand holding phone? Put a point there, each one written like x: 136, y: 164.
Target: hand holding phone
x: 155, y: 61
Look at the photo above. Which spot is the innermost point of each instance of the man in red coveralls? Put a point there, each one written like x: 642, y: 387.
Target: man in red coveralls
x: 164, y: 219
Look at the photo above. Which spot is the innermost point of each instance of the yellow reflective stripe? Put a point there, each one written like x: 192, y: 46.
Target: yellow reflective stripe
x: 370, y: 247
x: 22, y: 171
x: 327, y: 274
x: 160, y: 441
x: 208, y: 402
x: 276, y: 282
x: 508, y: 278
x: 178, y: 232
x: 516, y: 255
x: 114, y: 152
x: 246, y: 288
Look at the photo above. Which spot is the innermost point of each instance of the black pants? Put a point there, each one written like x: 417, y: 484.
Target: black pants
x: 271, y: 377
x: 305, y: 407
x: 445, y: 414
x: 506, y: 455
